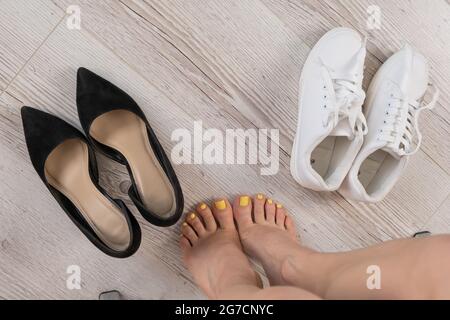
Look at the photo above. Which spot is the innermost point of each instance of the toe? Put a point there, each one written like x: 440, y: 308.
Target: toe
x: 223, y: 213
x: 194, y: 221
x: 242, y: 210
x: 184, y: 244
x: 207, y: 216
x: 258, y: 208
x: 290, y: 227
x: 280, y: 216
x: 270, y: 211
x: 189, y: 233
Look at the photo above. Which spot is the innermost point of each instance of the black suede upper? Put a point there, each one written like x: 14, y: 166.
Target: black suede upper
x: 43, y: 133
x: 96, y: 96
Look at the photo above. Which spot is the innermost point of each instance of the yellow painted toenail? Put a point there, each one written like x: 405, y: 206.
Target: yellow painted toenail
x: 269, y: 201
x: 260, y: 196
x: 202, y: 206
x: 279, y: 206
x: 185, y: 224
x: 221, y: 204
x: 192, y: 216
x: 243, y: 201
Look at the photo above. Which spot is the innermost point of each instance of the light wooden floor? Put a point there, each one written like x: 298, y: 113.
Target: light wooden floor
x: 232, y: 64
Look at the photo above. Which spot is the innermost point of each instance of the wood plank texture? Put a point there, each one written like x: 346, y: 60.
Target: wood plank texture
x: 24, y: 25
x: 439, y: 223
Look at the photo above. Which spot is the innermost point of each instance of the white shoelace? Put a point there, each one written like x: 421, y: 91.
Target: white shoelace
x: 349, y: 97
x: 401, y: 123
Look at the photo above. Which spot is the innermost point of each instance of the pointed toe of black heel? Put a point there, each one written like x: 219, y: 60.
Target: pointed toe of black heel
x: 96, y: 96
x: 43, y: 133
x: 66, y: 164
x: 117, y: 126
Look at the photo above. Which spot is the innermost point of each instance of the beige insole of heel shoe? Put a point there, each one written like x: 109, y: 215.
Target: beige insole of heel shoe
x: 125, y: 132
x: 67, y: 170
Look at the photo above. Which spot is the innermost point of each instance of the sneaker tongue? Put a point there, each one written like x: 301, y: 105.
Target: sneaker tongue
x: 342, y: 129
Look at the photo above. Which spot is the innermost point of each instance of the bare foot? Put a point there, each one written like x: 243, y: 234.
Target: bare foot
x: 213, y: 253
x: 268, y: 234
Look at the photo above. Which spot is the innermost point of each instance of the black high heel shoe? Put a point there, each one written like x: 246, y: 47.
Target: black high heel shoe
x: 66, y: 163
x: 115, y: 124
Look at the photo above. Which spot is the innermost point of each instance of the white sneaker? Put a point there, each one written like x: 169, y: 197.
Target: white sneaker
x: 392, y: 110
x: 331, y: 124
